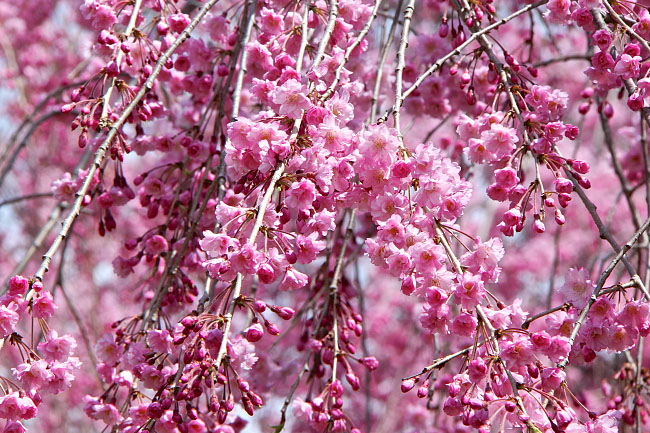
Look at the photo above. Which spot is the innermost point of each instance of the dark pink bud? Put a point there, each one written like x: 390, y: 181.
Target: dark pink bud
x: 635, y: 102
x: 608, y: 110
x: 76, y: 94
x: 286, y: 313
x: 18, y: 285
x: 584, y: 107
x: 408, y: 285
x: 265, y: 273
x: 465, y: 78
x: 583, y: 181
x: 588, y: 354
x: 336, y: 388
x: 407, y: 385
x: 272, y: 328
x: 453, y: 389
x: 290, y: 255
x: 259, y: 306
x: 564, y: 199
x: 112, y: 69
x: 105, y: 200
x: 477, y: 369
x: 370, y: 362
x: 443, y: 31
x: 571, y: 132
x: 37, y: 286
x: 353, y: 380
x: 188, y: 321
x: 587, y: 93
x: 222, y: 70
x: 243, y: 385
x: 401, y: 169
x: 255, y: 399
x: 563, y: 185
x: 254, y: 333
x: 452, y: 407
x: 162, y: 27
x: 248, y: 407
x: 512, y: 217
x: 222, y: 415
x: 476, y: 403
x: 581, y: 167
x: 154, y: 410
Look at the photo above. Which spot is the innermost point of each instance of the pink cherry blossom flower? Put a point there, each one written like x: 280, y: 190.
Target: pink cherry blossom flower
x: 518, y: 351
x: 577, y: 287
x: 308, y: 247
x: 56, y: 348
x: 8, y: 319
x: 15, y: 407
x: 291, y: 99
x: 500, y: 140
x: 627, y: 66
x: 156, y: 244
x: 293, y: 279
x: 469, y: 291
x: 43, y: 305
x: 301, y: 194
x: 464, y: 325
x: 246, y: 260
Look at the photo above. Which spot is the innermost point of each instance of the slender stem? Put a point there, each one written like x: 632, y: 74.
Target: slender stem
x: 349, y: 50
x: 401, y: 64
x: 26, y: 197
x: 382, y: 62
x: 329, y: 29
x: 236, y: 290
x: 118, y: 60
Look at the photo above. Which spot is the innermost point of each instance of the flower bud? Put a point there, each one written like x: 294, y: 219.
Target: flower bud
x: 154, y: 410
x: 408, y: 285
x: 254, y: 333
x: 285, y: 313
x: 272, y: 328
x: 265, y: 273
x: 259, y: 306
x: 353, y: 380
x: 477, y: 369
x: 407, y: 385
x: 336, y: 388
x: 452, y: 407
x: 370, y: 362
x: 512, y: 217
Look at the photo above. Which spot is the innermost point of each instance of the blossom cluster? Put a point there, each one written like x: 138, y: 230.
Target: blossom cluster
x: 300, y: 205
